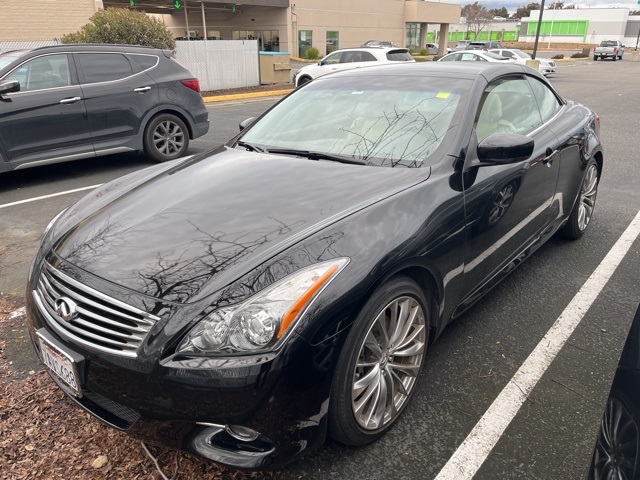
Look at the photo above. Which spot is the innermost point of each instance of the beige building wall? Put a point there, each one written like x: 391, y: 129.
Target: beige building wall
x: 356, y: 20
x: 43, y: 19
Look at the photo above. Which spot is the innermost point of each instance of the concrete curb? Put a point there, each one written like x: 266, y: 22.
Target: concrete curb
x: 242, y: 96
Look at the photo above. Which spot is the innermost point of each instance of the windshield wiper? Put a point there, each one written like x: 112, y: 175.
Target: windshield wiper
x: 250, y: 146
x: 316, y: 155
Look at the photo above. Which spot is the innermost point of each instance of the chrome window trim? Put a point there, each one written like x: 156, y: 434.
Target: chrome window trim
x: 79, y: 84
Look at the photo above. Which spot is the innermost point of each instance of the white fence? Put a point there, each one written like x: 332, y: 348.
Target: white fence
x: 220, y: 64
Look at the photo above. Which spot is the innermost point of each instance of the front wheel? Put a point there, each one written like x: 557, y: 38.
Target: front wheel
x: 303, y: 80
x: 166, y: 138
x: 380, y: 362
x: 583, y: 209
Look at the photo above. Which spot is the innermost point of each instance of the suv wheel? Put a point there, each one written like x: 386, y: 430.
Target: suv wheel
x: 166, y: 138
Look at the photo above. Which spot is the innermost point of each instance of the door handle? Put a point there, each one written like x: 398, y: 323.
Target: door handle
x: 141, y: 89
x: 548, y: 160
x: 66, y: 101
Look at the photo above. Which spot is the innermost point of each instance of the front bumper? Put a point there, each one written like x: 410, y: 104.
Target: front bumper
x: 197, y: 405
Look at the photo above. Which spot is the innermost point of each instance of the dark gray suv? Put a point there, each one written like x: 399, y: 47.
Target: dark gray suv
x: 70, y: 102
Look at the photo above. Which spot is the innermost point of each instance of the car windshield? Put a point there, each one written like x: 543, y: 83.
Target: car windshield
x: 521, y: 54
x: 9, y: 57
x: 495, y: 56
x: 386, y: 121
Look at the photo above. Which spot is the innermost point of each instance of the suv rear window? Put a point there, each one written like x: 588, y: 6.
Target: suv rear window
x: 402, y: 55
x: 144, y: 61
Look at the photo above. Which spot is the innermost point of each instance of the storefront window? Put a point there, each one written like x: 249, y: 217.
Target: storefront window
x: 304, y: 42
x: 413, y: 37
x: 333, y: 41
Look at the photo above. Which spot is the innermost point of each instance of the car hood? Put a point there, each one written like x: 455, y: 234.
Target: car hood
x: 188, y: 231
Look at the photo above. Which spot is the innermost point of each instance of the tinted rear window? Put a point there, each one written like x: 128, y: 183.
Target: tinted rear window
x: 399, y: 55
x: 104, y: 67
x: 144, y: 61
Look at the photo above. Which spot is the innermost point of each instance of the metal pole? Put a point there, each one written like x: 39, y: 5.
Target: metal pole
x: 637, y: 38
x: 204, y: 21
x: 535, y: 44
x: 186, y: 19
x: 550, y: 34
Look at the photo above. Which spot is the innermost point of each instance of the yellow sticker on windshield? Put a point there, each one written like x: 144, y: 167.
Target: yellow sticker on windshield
x: 443, y: 95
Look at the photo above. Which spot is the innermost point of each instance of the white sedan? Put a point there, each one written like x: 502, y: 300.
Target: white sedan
x: 475, y: 56
x: 547, y: 67
x: 349, y: 58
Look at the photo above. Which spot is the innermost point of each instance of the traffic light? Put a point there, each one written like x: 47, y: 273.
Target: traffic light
x: 132, y: 3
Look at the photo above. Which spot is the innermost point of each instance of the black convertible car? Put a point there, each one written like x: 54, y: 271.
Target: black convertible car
x: 245, y: 303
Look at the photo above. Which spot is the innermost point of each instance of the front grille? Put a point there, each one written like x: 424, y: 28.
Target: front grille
x: 89, y: 317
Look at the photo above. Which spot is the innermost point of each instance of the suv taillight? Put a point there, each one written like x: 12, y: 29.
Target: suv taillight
x: 193, y: 84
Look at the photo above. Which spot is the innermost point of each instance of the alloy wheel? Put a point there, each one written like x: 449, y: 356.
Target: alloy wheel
x: 616, y: 450
x: 388, y: 363
x: 168, y: 138
x: 588, y: 197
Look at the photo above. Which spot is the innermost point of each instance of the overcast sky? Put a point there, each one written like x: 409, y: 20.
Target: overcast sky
x: 512, y: 5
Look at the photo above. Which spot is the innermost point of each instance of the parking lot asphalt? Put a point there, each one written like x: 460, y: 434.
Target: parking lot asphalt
x: 552, y: 435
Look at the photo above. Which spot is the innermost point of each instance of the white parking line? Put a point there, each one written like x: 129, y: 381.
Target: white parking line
x: 475, y: 449
x: 44, y: 197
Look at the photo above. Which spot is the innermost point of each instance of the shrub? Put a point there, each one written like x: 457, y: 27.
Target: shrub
x: 424, y: 52
x: 312, y: 53
x: 122, y: 26
x: 579, y: 55
x: 560, y: 56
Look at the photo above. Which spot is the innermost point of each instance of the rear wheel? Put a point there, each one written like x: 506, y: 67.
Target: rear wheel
x: 166, y: 138
x: 614, y: 58
x: 380, y: 362
x: 583, y: 209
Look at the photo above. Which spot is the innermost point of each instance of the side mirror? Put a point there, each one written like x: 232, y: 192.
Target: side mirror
x: 245, y: 123
x: 505, y: 148
x: 9, y: 87
x: 320, y: 63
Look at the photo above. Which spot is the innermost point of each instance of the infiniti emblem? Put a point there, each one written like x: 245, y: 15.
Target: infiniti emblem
x: 66, y: 309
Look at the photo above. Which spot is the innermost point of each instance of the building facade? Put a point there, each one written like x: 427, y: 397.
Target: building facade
x: 43, y: 19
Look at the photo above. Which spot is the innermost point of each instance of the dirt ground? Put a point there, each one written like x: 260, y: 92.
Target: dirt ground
x: 44, y: 435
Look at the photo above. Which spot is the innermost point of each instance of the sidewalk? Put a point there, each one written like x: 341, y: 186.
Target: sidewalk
x: 278, y: 89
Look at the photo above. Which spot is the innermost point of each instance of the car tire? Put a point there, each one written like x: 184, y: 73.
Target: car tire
x: 595, y: 59
x: 616, y: 454
x: 380, y: 363
x: 166, y: 138
x: 303, y: 80
x: 582, y: 212
x: 615, y: 57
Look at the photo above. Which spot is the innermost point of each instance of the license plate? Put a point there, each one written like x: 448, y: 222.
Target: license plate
x: 61, y: 365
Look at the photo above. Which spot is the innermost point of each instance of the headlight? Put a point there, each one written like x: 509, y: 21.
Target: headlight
x: 262, y: 321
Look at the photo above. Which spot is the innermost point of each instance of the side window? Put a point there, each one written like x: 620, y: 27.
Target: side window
x: 104, y: 67
x: 506, y: 53
x: 144, y: 61
x: 450, y: 58
x: 353, y: 57
x: 507, y: 106
x: 332, y: 59
x: 547, y: 101
x: 468, y: 57
x: 48, y: 71
x: 368, y: 57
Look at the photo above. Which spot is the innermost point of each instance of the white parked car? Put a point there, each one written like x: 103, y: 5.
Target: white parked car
x: 547, y: 67
x: 352, y: 58
x: 475, y: 56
